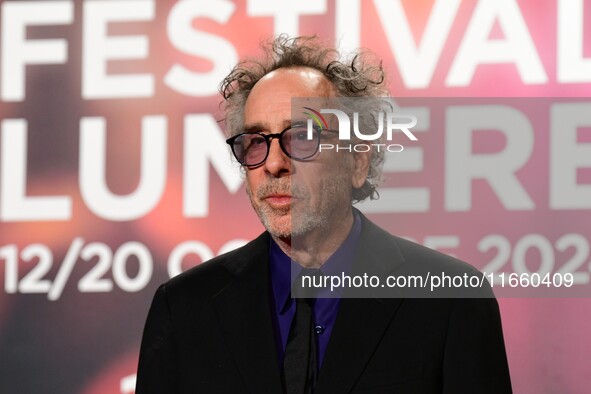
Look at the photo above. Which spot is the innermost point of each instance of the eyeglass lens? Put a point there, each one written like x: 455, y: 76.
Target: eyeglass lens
x: 252, y: 148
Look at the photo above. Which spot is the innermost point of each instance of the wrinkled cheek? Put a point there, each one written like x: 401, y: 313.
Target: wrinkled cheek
x: 253, y: 202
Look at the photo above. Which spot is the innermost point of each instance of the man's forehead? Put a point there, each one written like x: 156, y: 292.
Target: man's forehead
x: 271, y: 98
x: 304, y: 72
x: 301, y: 81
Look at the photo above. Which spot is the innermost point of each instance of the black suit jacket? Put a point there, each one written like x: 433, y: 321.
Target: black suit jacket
x: 209, y: 330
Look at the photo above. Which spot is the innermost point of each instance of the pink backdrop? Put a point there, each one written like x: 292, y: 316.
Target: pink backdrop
x: 107, y: 188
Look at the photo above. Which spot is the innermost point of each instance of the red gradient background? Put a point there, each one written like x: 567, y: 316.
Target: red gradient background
x: 88, y: 342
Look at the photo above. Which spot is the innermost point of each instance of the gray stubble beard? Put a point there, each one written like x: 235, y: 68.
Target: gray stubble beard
x: 304, y: 219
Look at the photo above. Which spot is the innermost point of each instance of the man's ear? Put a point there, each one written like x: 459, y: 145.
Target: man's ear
x: 361, y: 161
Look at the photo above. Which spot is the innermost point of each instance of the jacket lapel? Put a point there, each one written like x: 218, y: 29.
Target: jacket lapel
x: 359, y: 327
x: 363, y: 316
x: 243, y: 311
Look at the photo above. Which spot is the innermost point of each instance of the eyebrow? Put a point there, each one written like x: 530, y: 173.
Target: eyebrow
x: 301, y: 121
x: 254, y: 127
x: 261, y: 127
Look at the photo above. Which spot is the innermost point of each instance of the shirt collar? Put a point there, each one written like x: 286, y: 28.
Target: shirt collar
x: 284, y: 270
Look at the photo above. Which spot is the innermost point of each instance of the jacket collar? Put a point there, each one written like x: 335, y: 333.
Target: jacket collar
x: 244, y: 314
x: 363, y: 316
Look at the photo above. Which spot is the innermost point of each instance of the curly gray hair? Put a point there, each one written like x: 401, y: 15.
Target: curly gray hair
x: 361, y: 76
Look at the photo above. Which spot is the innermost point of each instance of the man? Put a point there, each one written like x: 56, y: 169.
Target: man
x: 232, y: 325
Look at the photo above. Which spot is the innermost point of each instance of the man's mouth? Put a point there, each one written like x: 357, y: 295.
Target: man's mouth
x: 278, y: 200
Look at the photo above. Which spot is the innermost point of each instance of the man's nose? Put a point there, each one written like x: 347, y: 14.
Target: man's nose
x: 277, y: 163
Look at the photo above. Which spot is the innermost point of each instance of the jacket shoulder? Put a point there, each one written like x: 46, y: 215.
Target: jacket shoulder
x: 212, y: 276
x: 415, y: 253
x: 412, y: 254
x: 437, y: 274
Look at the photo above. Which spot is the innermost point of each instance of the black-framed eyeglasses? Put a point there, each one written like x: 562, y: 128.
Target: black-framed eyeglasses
x: 252, y: 148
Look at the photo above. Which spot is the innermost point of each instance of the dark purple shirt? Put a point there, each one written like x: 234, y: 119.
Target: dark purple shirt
x: 284, y: 271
